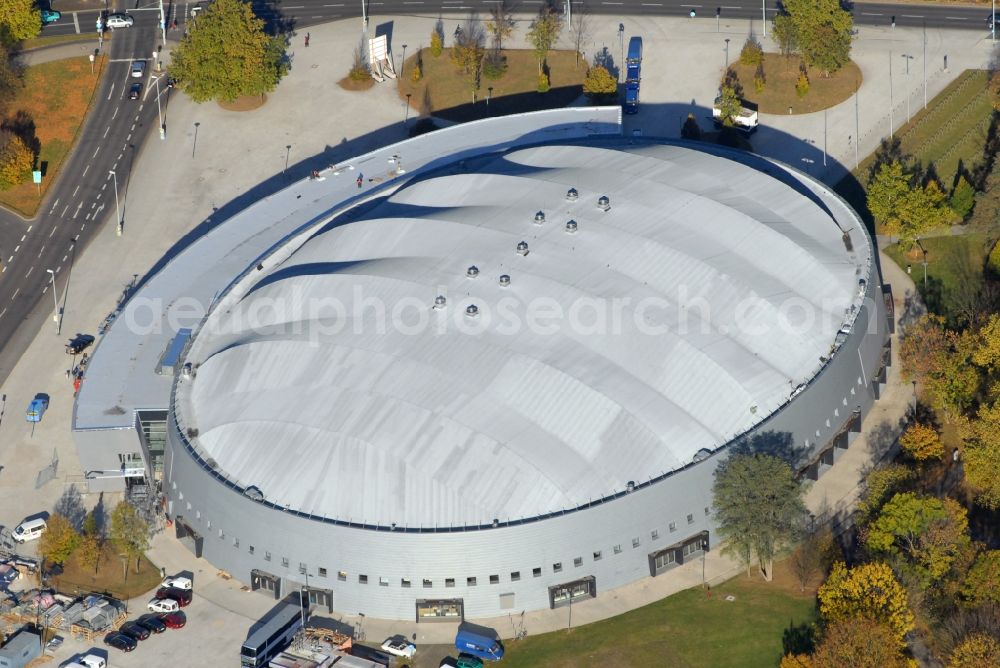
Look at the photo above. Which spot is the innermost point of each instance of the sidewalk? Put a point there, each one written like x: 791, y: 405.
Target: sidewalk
x: 177, y: 184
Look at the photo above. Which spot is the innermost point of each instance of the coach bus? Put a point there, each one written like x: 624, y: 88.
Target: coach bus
x: 271, y: 637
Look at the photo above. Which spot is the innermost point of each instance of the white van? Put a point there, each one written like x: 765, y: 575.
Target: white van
x: 29, y: 530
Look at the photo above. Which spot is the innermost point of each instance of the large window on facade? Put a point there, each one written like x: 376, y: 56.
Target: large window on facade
x: 440, y: 610
x: 566, y: 594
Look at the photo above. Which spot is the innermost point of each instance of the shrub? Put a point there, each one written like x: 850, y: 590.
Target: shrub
x: 802, y: 85
x: 963, y: 198
x: 759, y: 80
x: 690, y: 129
x: 543, y: 83
x: 416, y: 74
x: 494, y: 66
x: 994, y: 259
x: 16, y: 160
x: 752, y: 52
x: 359, y: 66
x: 599, y: 83
x: 437, y: 44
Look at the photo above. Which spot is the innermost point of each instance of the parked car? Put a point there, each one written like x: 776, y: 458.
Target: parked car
x: 29, y: 530
x: 121, y: 641
x: 78, y: 344
x: 370, y: 653
x: 174, y: 620
x: 152, y: 622
x: 50, y: 16
x: 468, y: 661
x: 399, y: 646
x: 138, y: 68
x: 134, y: 630
x: 163, y: 605
x: 182, y: 596
x: 37, y: 408
x: 177, y: 582
x: 93, y: 661
x: 119, y: 20
x: 134, y: 91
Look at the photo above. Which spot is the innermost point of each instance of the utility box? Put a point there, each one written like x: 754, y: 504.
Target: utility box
x: 20, y: 650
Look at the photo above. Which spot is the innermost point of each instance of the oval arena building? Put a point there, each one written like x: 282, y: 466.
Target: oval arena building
x: 501, y: 378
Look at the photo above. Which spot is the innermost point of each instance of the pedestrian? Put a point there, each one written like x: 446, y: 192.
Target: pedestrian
x: 307, y: 39
x: 361, y: 179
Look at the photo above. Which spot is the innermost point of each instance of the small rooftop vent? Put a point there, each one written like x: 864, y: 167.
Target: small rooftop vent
x: 572, y: 195
x: 440, y: 301
x: 186, y: 370
x: 392, y: 527
x: 603, y: 203
x: 630, y: 487
x: 571, y: 227
x: 847, y: 242
x: 539, y: 218
x: 504, y: 280
x: 496, y: 523
x: 862, y: 284
x: 472, y: 271
x: 522, y: 248
x: 472, y: 311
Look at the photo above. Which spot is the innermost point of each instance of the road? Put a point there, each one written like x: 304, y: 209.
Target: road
x: 84, y: 198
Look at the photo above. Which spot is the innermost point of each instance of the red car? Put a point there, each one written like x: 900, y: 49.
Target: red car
x: 174, y: 620
x: 182, y: 596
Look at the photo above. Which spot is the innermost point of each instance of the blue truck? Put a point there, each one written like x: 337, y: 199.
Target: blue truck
x: 478, y: 641
x: 633, y: 66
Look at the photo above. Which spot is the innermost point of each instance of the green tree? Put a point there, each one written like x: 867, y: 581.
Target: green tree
x: 89, y: 551
x: 903, y: 208
x: 90, y: 525
x: 691, y: 129
x: 501, y: 23
x: 886, y: 191
x: 963, y: 198
x: 59, y: 541
x: 784, y: 34
x: 869, y: 591
x: 858, y: 643
x: 981, y: 454
x: 16, y: 160
x: 729, y: 103
x: 10, y: 80
x: 978, y: 650
x: 227, y: 54
x: 758, y: 504
x: 543, y: 34
x: 982, y: 583
x: 880, y: 484
x: 822, y: 32
x: 802, y: 83
x: 468, y: 51
x: 599, y: 83
x: 19, y: 20
x: 941, y: 361
x: 437, y: 43
x: 922, y: 442
x: 129, y: 532
x: 752, y: 52
x: 929, y: 532
x: 759, y: 80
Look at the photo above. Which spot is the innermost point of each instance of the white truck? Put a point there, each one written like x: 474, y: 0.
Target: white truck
x: 746, y: 120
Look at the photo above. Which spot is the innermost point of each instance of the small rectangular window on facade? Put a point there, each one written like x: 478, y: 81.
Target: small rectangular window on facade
x: 404, y: 583
x: 536, y: 572
x: 363, y: 579
x: 690, y: 519
x: 557, y: 567
x: 267, y: 556
x: 597, y: 555
x: 578, y: 561
x: 494, y: 579
x: 635, y: 542
x: 208, y: 524
x: 707, y: 512
x: 222, y: 534
x: 383, y: 582
x: 654, y: 534
x: 449, y: 582
x: 236, y: 542
x: 342, y: 576
x: 284, y: 562
x: 470, y: 582
x: 618, y: 549
x: 673, y: 527
x: 515, y: 576
x: 251, y: 549
x: 197, y: 514
x: 321, y: 571
x: 302, y: 568
x: 428, y: 583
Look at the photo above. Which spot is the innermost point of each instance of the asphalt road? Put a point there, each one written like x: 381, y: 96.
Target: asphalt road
x: 84, y: 198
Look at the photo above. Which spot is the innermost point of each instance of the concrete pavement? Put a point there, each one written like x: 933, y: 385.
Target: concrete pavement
x: 205, y: 172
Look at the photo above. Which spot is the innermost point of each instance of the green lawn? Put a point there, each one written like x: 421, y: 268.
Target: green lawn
x: 953, y: 128
x: 686, y: 629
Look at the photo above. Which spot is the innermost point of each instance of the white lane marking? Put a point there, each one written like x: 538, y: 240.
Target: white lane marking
x: 338, y: 5
x: 104, y: 185
x: 15, y: 294
x: 23, y: 237
x: 871, y: 14
x: 64, y: 257
x: 85, y: 170
x: 75, y: 191
x: 3, y: 311
x: 54, y: 204
x: 133, y: 127
x: 911, y: 16
x: 95, y: 152
x: 53, y: 231
x: 111, y: 92
x: 87, y: 217
x: 17, y: 248
x: 115, y: 115
x: 29, y: 227
x: 30, y: 269
x: 294, y: 7
x: 40, y: 252
x: 76, y: 23
x: 106, y: 131
x: 65, y: 208
x: 77, y: 212
x: 129, y: 138
x: 690, y: 5
x: 956, y: 18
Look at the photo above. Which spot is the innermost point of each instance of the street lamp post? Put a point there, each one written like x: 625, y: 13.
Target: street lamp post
x: 763, y: 16
x: 925, y: 271
x: 914, y: 396
x: 727, y: 53
x: 288, y: 152
x: 890, y: 95
x: 406, y: 113
x: 118, y: 211
x: 194, y: 145
x: 704, y: 553
x: 621, y: 47
x: 159, y: 110
x: 489, y: 94
x: 55, y: 301
x: 402, y: 67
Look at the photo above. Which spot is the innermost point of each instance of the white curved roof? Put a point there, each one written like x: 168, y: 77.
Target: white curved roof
x: 339, y: 412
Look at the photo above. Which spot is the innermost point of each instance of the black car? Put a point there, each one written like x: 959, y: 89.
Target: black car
x: 152, y: 622
x: 134, y: 630
x: 78, y: 344
x: 171, y: 82
x: 134, y: 91
x: 121, y: 641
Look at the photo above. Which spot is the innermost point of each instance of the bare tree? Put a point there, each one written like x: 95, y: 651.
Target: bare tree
x: 501, y: 23
x: 580, y: 26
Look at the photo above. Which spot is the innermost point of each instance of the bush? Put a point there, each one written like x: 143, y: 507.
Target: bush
x: 759, y: 80
x: 752, y: 52
x: 416, y: 74
x: 599, y: 83
x: 543, y: 83
x: 16, y: 160
x: 690, y: 129
x: 494, y: 66
x: 994, y: 259
x: 437, y: 44
x: 963, y: 198
x: 359, y: 66
x: 802, y: 85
